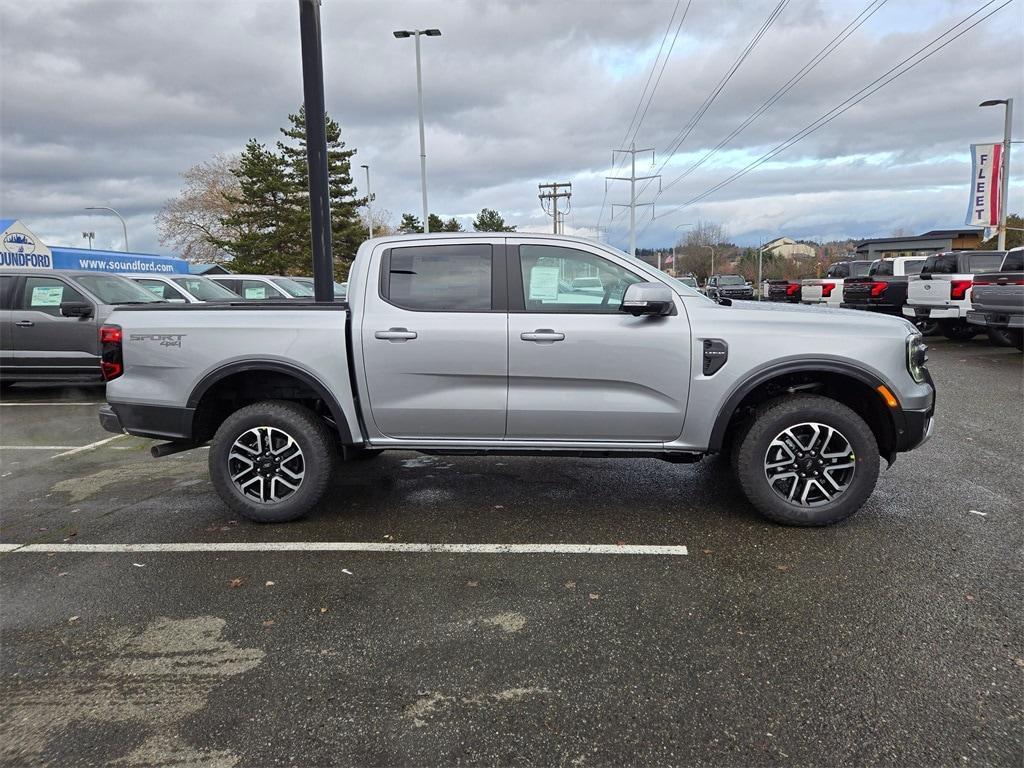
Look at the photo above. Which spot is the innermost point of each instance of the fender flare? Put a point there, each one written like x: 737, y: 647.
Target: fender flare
x: 748, y: 385
x: 307, y: 378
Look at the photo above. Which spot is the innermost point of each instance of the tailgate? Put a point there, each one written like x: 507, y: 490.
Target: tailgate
x: 934, y: 291
x: 857, y: 289
x: 811, y: 290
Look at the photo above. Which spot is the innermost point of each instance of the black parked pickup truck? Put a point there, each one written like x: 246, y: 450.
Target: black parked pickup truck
x: 885, y: 287
x: 785, y: 290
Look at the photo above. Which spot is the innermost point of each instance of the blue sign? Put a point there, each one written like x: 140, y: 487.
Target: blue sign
x: 116, y: 261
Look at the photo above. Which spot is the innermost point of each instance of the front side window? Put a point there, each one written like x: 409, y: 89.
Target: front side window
x: 257, y: 289
x: 162, y: 290
x: 114, y: 289
x: 557, y: 279
x: 46, y: 294
x: 439, y: 278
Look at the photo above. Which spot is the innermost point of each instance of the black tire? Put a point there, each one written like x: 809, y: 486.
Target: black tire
x: 1001, y: 337
x: 927, y: 327
x: 959, y: 331
x: 317, y: 456
x: 1018, y: 339
x: 769, y: 422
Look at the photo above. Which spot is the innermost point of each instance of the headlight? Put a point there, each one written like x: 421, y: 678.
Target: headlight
x: 917, y: 356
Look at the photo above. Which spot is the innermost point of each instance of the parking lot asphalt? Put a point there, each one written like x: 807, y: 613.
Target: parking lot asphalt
x: 894, y: 638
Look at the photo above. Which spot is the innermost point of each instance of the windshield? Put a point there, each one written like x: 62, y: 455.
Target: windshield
x: 114, y: 289
x: 340, y: 289
x: 205, y: 289
x: 731, y: 280
x: 298, y: 290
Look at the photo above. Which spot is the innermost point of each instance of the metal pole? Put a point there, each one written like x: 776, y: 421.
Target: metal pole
x: 124, y: 227
x: 1005, y: 191
x: 316, y: 149
x: 554, y: 212
x: 712, y: 257
x: 423, y: 140
x: 760, y: 282
x: 632, y: 201
x: 369, y: 202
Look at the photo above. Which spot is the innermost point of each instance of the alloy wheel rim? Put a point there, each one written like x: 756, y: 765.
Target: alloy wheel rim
x: 810, y: 464
x: 266, y: 465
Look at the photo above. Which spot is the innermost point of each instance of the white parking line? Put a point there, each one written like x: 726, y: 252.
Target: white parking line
x: 88, y: 447
x: 36, y: 447
x: 354, y: 546
x: 25, y: 405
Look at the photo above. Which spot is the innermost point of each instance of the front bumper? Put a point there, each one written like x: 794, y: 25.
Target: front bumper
x: 914, y: 427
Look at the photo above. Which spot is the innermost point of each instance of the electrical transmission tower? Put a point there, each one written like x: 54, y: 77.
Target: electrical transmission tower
x: 632, y: 179
x: 553, y: 192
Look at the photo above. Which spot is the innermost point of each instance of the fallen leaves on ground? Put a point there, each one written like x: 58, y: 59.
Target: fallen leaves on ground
x: 235, y: 583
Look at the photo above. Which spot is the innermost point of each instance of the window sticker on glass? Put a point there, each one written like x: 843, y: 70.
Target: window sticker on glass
x: 156, y: 288
x: 47, y: 295
x: 544, y: 283
x: 256, y: 293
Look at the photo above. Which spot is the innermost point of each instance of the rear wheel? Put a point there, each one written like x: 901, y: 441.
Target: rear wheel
x: 807, y: 460
x: 958, y: 330
x: 271, y: 461
x: 1002, y: 337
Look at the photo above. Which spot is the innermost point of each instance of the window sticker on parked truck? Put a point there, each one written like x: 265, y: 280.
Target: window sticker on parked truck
x: 544, y: 284
x: 47, y: 295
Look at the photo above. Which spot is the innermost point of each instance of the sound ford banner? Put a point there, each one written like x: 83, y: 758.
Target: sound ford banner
x: 21, y: 249
x: 986, y: 166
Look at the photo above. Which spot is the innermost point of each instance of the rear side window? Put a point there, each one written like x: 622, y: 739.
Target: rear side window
x: 983, y: 262
x: 438, y: 278
x: 1014, y: 262
x: 46, y: 294
x: 940, y: 264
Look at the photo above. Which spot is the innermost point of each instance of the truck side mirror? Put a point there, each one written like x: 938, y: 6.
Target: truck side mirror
x: 647, y: 299
x: 75, y: 309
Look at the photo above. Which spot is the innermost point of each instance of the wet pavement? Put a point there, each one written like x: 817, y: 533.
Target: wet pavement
x: 893, y: 638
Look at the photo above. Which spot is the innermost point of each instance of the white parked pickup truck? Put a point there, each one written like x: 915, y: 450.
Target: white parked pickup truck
x: 942, y: 291
x: 829, y: 289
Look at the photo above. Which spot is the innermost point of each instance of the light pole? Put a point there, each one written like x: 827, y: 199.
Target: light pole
x: 89, y: 236
x: 712, y: 257
x: 760, y: 282
x: 369, y: 200
x: 675, y: 250
x: 123, y: 225
x: 417, y: 33
x: 1005, y: 169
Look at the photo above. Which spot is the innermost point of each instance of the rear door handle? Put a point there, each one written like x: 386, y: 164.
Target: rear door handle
x: 542, y: 334
x: 395, y: 334
x: 24, y: 323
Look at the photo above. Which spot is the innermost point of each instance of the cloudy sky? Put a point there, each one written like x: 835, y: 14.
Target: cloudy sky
x: 106, y: 103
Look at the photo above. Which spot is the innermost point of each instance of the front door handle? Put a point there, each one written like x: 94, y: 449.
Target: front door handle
x: 542, y: 334
x: 395, y: 334
x: 24, y: 323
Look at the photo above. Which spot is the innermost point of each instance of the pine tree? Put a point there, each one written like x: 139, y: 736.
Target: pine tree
x: 410, y: 224
x: 264, y: 216
x: 347, y: 229
x: 489, y: 220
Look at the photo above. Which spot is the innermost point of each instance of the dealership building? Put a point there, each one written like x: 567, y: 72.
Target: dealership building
x: 936, y: 241
x: 20, y: 248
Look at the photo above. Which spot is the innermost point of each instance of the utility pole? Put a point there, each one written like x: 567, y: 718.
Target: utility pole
x: 710, y: 248
x: 632, y: 179
x: 369, y: 200
x: 554, y: 192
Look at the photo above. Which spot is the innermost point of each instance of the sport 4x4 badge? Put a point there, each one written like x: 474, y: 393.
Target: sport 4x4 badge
x: 164, y: 339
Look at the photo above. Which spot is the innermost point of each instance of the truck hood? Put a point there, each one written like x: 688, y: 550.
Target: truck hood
x: 776, y: 317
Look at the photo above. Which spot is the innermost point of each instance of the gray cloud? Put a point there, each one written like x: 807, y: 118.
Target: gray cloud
x: 106, y: 103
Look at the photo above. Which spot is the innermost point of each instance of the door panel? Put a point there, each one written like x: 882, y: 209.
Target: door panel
x: 44, y: 340
x: 437, y: 366
x: 612, y: 377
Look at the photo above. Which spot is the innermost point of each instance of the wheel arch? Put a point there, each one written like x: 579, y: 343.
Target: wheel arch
x: 845, y: 382
x: 219, y: 377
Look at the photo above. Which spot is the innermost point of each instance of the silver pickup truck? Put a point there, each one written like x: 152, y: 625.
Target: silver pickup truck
x: 521, y: 344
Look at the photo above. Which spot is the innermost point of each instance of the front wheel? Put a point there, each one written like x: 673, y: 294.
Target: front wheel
x: 271, y: 461
x: 807, y: 460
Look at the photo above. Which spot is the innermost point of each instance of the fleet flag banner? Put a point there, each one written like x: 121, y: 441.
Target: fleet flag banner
x: 986, y: 166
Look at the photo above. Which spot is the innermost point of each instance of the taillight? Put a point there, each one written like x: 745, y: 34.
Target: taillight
x: 111, y: 359
x: 792, y: 288
x: 958, y: 288
x: 826, y: 289
x: 878, y: 288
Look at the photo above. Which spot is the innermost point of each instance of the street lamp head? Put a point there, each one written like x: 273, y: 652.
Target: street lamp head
x: 992, y: 103
x: 402, y: 33
x: 365, y: 166
x: 432, y: 32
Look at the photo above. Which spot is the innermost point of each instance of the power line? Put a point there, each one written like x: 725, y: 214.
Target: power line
x: 553, y: 192
x: 632, y: 179
x: 850, y: 102
x: 685, y: 131
x: 859, y: 20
